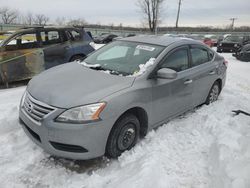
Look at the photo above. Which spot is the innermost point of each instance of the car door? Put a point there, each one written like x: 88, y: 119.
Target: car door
x: 79, y: 44
x: 55, y: 48
x: 172, y: 97
x: 204, y: 71
x: 21, y: 57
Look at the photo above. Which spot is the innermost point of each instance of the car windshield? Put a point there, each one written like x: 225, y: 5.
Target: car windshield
x: 123, y: 58
x: 233, y: 38
x: 3, y: 36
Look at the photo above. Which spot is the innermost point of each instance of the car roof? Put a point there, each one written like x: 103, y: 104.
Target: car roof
x: 160, y: 40
x: 33, y: 29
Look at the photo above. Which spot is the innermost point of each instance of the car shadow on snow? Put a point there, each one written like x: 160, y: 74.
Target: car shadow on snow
x: 78, y: 166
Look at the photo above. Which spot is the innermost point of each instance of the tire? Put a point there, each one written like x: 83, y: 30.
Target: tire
x: 123, y: 136
x: 213, y: 93
x: 77, y: 58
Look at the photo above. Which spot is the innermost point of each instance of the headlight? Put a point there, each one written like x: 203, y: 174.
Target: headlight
x: 220, y: 44
x: 235, y: 45
x: 82, y: 114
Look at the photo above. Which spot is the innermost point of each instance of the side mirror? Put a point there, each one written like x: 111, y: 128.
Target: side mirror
x: 166, y: 73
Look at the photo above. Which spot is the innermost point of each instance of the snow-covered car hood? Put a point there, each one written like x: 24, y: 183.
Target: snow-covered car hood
x: 72, y: 84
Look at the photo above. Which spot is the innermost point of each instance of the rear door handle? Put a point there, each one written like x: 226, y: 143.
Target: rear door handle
x: 188, y: 81
x: 211, y: 73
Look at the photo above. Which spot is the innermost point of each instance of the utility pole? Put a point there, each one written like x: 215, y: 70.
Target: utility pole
x: 233, y: 20
x: 156, y: 17
x: 178, y: 14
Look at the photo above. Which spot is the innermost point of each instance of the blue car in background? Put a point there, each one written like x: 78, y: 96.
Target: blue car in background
x: 30, y: 51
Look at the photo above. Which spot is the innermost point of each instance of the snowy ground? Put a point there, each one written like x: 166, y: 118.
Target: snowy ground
x: 206, y: 148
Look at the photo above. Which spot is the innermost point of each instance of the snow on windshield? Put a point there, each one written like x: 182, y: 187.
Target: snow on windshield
x: 144, y: 67
x: 88, y: 65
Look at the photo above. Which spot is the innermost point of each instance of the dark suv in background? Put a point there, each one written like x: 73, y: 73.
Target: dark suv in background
x: 243, y: 54
x: 104, y: 38
x: 29, y: 51
x: 232, y: 43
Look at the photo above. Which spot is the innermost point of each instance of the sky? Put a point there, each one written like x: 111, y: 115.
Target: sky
x: 193, y: 12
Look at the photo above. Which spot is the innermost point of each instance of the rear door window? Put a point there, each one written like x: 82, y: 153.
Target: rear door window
x: 50, y: 37
x: 199, y: 56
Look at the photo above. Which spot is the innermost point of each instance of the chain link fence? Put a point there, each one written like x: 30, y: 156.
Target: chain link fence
x: 122, y: 32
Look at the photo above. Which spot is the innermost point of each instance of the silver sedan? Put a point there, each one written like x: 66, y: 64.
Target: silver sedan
x: 104, y: 104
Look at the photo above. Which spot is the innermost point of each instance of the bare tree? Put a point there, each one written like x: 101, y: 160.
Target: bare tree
x: 41, y: 19
x: 61, y: 21
x: 151, y: 9
x: 77, y: 22
x: 8, y: 15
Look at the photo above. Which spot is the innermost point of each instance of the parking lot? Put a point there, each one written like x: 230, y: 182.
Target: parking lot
x: 206, y: 147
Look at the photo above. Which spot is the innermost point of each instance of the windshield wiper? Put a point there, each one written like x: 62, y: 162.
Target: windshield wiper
x: 110, y: 71
x: 100, y: 68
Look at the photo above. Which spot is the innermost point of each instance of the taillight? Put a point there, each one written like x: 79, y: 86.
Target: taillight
x: 225, y: 62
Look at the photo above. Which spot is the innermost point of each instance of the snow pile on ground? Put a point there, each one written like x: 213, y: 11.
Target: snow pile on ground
x: 230, y: 151
x: 205, y: 148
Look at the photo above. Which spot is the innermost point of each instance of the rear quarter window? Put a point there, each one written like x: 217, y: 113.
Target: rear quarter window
x: 74, y: 35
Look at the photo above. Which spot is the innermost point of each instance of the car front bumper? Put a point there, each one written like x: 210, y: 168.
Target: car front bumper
x: 74, y: 141
x: 226, y: 49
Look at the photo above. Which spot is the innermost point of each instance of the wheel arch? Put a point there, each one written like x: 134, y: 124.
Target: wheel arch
x: 142, y: 116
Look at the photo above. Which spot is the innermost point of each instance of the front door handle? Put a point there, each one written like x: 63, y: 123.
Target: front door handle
x: 188, y: 81
x: 211, y: 73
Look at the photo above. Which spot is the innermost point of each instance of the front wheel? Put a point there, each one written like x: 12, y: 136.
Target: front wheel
x: 123, y: 135
x: 213, y: 93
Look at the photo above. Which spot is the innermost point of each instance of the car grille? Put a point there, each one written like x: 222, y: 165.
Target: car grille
x: 228, y: 45
x: 35, y: 109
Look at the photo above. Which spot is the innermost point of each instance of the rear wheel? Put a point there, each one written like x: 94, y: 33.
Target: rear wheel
x: 123, y: 135
x: 213, y: 93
